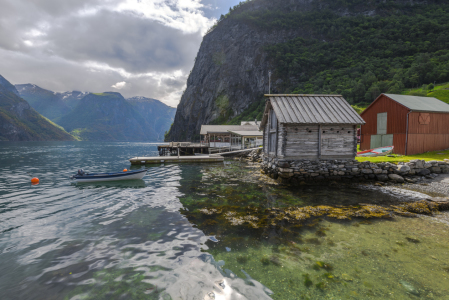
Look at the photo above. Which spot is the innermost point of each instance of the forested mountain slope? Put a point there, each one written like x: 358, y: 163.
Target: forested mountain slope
x: 107, y: 117
x: 20, y: 122
x: 47, y: 103
x: 351, y: 47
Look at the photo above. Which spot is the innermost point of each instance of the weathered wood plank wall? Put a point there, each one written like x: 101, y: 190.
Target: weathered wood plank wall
x: 301, y: 140
x: 337, y: 141
x: 265, y: 137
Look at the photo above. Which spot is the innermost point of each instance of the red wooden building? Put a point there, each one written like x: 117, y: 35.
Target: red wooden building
x: 411, y: 124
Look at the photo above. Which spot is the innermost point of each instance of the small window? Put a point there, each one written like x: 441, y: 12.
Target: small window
x: 324, y: 131
x: 338, y: 131
x: 349, y: 131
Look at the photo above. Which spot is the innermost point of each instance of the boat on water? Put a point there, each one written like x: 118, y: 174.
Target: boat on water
x: 99, y: 177
x: 382, y: 151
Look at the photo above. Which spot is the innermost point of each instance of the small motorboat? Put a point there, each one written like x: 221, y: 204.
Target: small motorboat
x: 97, y: 177
x: 382, y: 151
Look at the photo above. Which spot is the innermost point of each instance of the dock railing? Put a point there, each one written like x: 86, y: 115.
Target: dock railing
x: 187, y: 144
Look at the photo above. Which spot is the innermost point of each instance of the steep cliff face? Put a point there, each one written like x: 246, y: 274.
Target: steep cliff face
x: 230, y: 73
x: 232, y: 65
x: 20, y: 122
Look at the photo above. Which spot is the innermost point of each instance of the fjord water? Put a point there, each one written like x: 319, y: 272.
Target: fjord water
x: 161, y: 238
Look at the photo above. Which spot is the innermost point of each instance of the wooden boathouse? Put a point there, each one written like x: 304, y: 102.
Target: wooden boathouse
x: 217, y: 139
x: 411, y: 124
x: 309, y: 127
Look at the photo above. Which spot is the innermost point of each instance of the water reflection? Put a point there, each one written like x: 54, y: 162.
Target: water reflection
x: 138, y: 183
x: 156, y: 238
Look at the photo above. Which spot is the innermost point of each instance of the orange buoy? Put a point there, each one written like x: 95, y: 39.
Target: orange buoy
x: 35, y: 180
x: 125, y: 170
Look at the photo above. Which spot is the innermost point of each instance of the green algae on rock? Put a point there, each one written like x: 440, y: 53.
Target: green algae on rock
x: 257, y: 218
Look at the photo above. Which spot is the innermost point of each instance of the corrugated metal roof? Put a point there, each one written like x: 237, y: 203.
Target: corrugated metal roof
x: 416, y: 103
x: 312, y: 109
x: 247, y: 133
x: 205, y: 129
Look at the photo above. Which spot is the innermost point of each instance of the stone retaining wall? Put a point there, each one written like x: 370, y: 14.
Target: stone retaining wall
x: 296, y: 171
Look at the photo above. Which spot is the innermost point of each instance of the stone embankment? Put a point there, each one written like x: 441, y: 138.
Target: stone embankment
x: 255, y: 155
x: 297, y: 171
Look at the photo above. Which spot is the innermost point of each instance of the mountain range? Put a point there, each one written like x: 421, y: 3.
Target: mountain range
x: 356, y: 48
x: 20, y: 122
x: 101, y: 116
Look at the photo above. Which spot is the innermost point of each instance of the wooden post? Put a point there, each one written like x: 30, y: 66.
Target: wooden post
x: 319, y: 141
x: 178, y: 150
x: 269, y: 133
x: 355, y: 139
x: 277, y: 137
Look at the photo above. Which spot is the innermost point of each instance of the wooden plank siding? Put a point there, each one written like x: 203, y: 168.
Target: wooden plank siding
x: 396, y: 118
x: 439, y: 124
x: 420, y: 143
x: 396, y: 123
x: 431, y: 137
x: 301, y: 133
x: 265, y: 138
x: 301, y: 141
x: 282, y: 140
x: 421, y: 138
x: 337, y: 141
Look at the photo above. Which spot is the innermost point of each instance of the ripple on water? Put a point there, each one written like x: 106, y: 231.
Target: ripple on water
x: 149, y: 240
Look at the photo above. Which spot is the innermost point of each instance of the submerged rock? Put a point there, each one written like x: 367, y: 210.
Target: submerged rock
x: 409, y: 288
x: 413, y: 240
x: 346, y: 277
x: 396, y: 178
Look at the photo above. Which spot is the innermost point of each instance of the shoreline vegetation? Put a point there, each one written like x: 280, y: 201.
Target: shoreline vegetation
x: 428, y: 156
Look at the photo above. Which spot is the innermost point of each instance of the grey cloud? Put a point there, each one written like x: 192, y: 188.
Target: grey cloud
x: 58, y: 8
x: 60, y: 76
x: 124, y: 40
x: 56, y: 60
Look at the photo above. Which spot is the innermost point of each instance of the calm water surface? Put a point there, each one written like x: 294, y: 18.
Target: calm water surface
x: 197, y: 232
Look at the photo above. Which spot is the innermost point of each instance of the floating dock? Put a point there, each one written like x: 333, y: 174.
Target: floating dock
x: 175, y: 159
x: 187, y: 148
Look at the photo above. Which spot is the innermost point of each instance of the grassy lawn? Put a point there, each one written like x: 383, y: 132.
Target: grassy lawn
x: 441, y: 92
x: 428, y: 156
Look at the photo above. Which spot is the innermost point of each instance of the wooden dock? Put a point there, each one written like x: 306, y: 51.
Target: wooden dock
x: 184, y: 149
x: 175, y: 159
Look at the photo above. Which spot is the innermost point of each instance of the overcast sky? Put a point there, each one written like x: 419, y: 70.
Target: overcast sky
x: 135, y: 47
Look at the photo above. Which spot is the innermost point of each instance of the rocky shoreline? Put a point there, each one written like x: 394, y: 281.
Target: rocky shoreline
x: 294, y: 171
x: 430, y: 179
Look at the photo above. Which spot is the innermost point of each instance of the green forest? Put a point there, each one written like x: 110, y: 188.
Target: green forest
x: 360, y: 57
x: 401, y: 49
